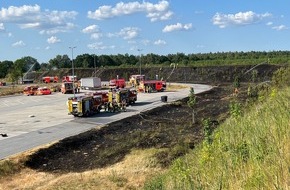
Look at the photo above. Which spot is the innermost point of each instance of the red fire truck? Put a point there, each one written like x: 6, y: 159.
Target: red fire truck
x: 69, y: 79
x: 117, y: 83
x: 49, y: 79
x: 30, y: 90
x: 152, y: 86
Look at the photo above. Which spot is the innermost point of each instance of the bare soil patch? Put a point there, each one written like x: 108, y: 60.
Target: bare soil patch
x: 168, y: 127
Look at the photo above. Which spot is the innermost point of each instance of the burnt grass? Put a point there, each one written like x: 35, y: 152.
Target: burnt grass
x: 168, y: 127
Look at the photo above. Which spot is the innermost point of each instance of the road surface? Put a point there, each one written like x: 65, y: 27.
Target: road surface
x: 34, y: 121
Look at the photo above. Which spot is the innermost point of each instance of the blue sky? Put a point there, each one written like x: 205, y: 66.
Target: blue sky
x: 45, y: 28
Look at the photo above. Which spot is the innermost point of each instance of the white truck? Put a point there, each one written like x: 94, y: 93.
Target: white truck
x: 91, y: 83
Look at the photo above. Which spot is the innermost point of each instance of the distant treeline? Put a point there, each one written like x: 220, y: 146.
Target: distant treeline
x: 14, y: 70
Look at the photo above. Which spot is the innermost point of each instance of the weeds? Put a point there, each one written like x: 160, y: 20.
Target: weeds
x: 8, y: 167
x: 118, y: 180
x: 235, y: 109
x: 281, y: 77
x: 167, y: 156
x: 156, y: 183
x: 207, y: 129
x: 254, y: 154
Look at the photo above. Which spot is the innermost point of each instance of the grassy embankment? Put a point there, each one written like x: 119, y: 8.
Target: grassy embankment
x: 251, y: 150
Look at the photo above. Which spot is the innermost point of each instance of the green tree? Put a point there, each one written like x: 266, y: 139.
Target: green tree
x: 84, y: 61
x: 30, y: 63
x: 44, y: 67
x: 24, y: 66
x: 17, y: 70
x: 5, y: 66
x: 60, y: 61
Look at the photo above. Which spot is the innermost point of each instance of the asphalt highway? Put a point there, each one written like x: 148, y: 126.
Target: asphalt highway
x: 34, y: 121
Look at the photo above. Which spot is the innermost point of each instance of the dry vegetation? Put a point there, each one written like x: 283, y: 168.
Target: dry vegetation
x: 9, y: 90
x: 130, y: 173
x: 122, y: 155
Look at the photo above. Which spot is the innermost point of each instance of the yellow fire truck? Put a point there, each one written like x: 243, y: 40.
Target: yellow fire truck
x: 84, y: 105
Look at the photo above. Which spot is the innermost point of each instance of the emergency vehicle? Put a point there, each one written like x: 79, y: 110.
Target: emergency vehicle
x: 117, y: 83
x: 67, y: 88
x: 43, y: 91
x: 132, y: 96
x: 134, y: 80
x: 49, y: 79
x: 84, y: 105
x: 152, y: 86
x: 118, y: 99
x: 69, y: 79
x: 94, y: 102
x: 30, y: 90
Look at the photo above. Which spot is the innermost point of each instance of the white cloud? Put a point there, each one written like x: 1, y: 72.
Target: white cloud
x: 47, y: 21
x: 187, y: 26
x: 177, y: 27
x: 129, y: 33
x: 241, y: 18
x: 58, y: 29
x: 159, y: 11
x: 2, y: 28
x: 100, y: 46
x: 159, y: 42
x: 18, y: 14
x: 94, y: 30
x: 269, y: 23
x: 91, y: 29
x: 53, y: 40
x: 18, y: 44
x: 281, y: 27
x: 30, y: 25
x: 47, y: 48
x: 96, y: 36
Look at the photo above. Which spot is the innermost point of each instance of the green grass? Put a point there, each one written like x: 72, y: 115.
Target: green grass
x: 249, y: 151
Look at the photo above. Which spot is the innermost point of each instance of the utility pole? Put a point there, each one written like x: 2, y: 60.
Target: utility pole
x: 72, y: 65
x: 139, y: 50
x: 95, y: 65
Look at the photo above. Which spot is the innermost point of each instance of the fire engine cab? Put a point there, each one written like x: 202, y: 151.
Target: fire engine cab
x: 134, y: 80
x: 69, y: 79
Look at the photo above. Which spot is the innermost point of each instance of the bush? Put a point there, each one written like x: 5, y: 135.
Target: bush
x: 281, y: 77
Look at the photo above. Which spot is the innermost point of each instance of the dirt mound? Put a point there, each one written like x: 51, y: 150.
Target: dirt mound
x: 164, y: 127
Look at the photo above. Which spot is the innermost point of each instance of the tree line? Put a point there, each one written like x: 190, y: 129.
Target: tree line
x: 16, y: 69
